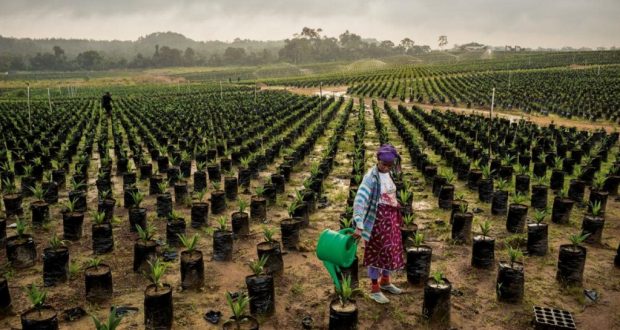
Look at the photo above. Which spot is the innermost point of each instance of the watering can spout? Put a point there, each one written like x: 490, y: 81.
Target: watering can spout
x: 336, y: 249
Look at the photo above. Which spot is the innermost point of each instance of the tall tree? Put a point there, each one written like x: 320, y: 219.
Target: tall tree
x: 443, y: 40
x: 89, y: 60
x: 387, y: 44
x: 189, y: 56
x: 234, y: 55
x: 59, y: 52
x: 407, y: 43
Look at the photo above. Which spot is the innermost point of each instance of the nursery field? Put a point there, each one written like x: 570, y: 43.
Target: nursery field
x: 192, y: 195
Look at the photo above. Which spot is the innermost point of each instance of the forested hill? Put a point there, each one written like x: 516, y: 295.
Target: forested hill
x: 127, y: 49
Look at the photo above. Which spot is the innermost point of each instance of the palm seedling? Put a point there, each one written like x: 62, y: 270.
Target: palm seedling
x: 268, y: 234
x: 242, y: 205
x: 599, y: 181
x: 163, y: 150
x: 314, y: 169
x: 417, y: 239
x: 259, y: 192
x: 519, y: 198
x: 37, y: 161
x: 9, y: 187
x: 37, y: 192
x: 185, y: 156
x: 485, y: 228
x: 501, y: 184
x: 94, y: 262
x: 55, y: 242
x: 595, y: 208
x: 20, y: 227
x: 577, y: 239
x: 8, y: 167
x: 237, y: 306
x: 404, y: 197
x: 408, y: 219
x: 476, y: 164
x: 521, y: 170
x: 299, y: 197
x: 200, y: 195
x: 180, y: 178
x: 137, y: 198
x: 130, y: 167
x: 557, y: 163
x: 346, y: 222
x: 162, y: 186
x: 291, y: 208
x: 221, y: 221
x: 106, y: 161
x: 463, y: 208
x: 99, y: 217
x: 346, y: 292
x: 358, y: 179
x: 174, y: 215
x: 28, y: 170
x: 189, y: 243
x: 257, y: 266
x: 145, y: 234
x: 36, y: 297
x: 112, y: 323
x: 539, y: 216
x: 540, y: 180
x: 578, y: 171
x: 105, y: 194
x: 156, y: 272
x: 514, y: 255
x: 70, y: 205
x: 307, y: 183
x: 76, y: 185
x: 507, y: 160
x: 586, y: 160
x: 563, y: 193
x: 216, y: 185
x: 438, y: 277
x: 486, y: 172
x: 245, y: 162
x: 200, y: 166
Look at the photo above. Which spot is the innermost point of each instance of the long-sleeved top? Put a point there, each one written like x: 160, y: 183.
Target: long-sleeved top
x: 366, y: 202
x: 106, y: 101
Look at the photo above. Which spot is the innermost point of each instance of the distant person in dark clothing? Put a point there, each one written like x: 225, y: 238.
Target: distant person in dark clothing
x: 106, y: 103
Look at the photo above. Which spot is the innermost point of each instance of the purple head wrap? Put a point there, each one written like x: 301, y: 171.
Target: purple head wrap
x: 387, y: 153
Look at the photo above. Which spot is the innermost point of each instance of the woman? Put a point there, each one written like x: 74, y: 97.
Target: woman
x: 377, y: 220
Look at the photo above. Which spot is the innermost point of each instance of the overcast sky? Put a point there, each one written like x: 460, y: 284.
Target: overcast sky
x: 529, y: 23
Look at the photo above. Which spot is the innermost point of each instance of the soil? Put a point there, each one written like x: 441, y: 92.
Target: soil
x: 440, y: 286
x: 348, y: 307
x: 515, y: 266
x: 153, y: 291
x: 245, y: 324
x: 99, y: 270
x: 40, y: 315
x: 190, y: 256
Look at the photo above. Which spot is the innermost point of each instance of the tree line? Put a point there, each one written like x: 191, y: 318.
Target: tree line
x: 305, y: 47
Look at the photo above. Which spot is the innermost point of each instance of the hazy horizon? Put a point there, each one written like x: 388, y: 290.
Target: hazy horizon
x: 527, y: 23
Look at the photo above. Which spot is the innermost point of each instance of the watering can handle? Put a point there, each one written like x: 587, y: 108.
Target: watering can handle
x: 347, y: 231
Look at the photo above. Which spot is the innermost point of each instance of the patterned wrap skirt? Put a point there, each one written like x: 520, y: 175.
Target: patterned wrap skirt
x: 384, y: 250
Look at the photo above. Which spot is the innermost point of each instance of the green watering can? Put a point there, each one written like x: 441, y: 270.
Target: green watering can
x: 336, y: 249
